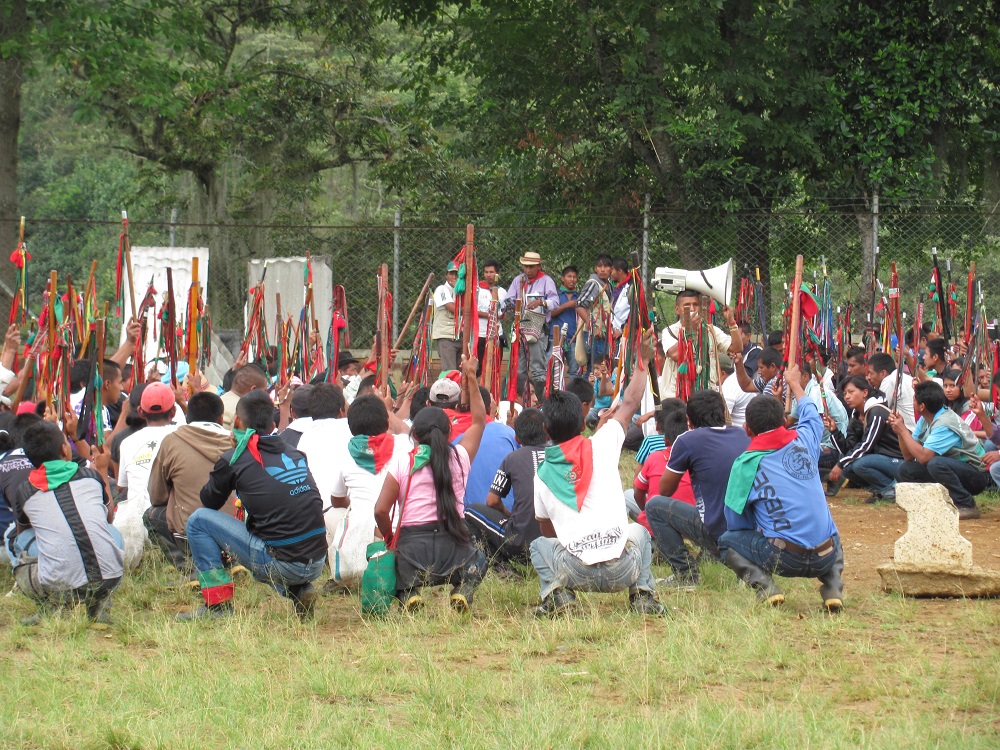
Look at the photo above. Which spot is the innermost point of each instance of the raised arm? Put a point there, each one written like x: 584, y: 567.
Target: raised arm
x: 473, y: 435
x: 632, y: 397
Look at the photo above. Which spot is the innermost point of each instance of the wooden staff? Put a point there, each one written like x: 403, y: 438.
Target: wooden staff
x: 470, y: 321
x: 171, y: 337
x: 192, y: 321
x: 794, y: 333
x: 128, y: 262
x: 382, y: 334
x: 489, y: 354
x: 416, y: 308
x: 99, y: 345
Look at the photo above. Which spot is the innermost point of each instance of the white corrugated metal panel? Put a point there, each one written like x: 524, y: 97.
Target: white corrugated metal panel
x: 151, y: 263
x: 284, y: 277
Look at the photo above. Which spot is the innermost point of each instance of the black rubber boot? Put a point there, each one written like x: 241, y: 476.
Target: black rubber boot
x: 755, y: 577
x: 304, y: 597
x: 558, y: 601
x: 832, y: 588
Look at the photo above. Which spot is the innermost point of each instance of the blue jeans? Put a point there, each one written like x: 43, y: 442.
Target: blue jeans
x: 876, y: 472
x: 558, y: 568
x: 598, y: 348
x: 672, y: 522
x: 755, y: 548
x: 962, y: 480
x: 631, y: 506
x: 209, y: 532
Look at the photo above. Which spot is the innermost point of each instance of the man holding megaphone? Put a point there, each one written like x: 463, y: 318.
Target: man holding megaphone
x: 704, y: 340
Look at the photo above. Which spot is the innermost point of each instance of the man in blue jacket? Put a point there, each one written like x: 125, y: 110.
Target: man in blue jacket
x: 776, y: 509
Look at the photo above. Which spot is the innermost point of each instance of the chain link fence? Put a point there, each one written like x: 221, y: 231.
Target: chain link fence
x: 768, y: 241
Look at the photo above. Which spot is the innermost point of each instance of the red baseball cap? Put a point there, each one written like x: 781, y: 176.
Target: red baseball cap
x: 157, y: 398
x: 26, y: 407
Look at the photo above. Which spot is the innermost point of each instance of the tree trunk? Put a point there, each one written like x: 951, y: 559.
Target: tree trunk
x: 13, y: 35
x: 867, y: 231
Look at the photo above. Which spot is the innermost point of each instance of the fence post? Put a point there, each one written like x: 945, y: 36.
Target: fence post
x: 397, y: 222
x: 875, y: 250
x: 645, y: 240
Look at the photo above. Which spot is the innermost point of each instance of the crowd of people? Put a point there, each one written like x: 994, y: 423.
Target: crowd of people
x: 291, y: 483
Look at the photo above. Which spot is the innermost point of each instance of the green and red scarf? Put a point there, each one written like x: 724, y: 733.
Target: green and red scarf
x: 744, y: 470
x: 371, y: 452
x: 246, y: 440
x: 567, y: 470
x: 52, y: 474
x: 420, y: 456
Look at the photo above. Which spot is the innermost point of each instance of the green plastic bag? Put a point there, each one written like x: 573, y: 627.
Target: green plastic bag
x: 378, y: 583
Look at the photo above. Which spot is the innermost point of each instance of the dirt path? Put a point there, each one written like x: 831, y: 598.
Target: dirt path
x: 869, y: 532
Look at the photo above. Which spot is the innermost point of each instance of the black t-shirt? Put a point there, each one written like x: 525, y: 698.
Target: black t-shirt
x: 14, y: 470
x: 517, y: 473
x: 280, y: 497
x: 115, y: 410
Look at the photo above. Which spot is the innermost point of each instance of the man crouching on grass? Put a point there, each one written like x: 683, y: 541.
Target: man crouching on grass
x: 776, y: 509
x: 283, y: 541
x: 587, y: 543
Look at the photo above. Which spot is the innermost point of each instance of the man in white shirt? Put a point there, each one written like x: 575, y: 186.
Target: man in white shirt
x: 443, y: 329
x: 688, y: 308
x: 736, y: 398
x: 587, y: 543
x: 360, y: 469
x: 882, y: 374
x: 324, y: 438
x: 489, y: 282
x: 138, y: 451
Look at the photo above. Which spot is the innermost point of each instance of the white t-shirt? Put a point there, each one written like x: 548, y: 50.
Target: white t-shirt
x: 483, y: 300
x: 444, y: 321
x: 137, y: 453
x: 622, y: 309
x: 736, y: 399
x: 361, y: 486
x: 321, y: 441
x: 598, y: 531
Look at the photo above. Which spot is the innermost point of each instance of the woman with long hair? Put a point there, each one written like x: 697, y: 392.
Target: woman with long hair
x: 869, y: 451
x: 958, y: 402
x: 427, y: 486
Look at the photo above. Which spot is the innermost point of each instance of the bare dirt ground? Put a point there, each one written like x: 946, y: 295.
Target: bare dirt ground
x: 869, y: 532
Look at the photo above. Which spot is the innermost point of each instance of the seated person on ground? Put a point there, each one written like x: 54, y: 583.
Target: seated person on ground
x: 707, y: 452
x: 299, y: 412
x: 138, y: 451
x: 829, y: 406
x: 434, y: 546
x: 776, y: 512
x: 604, y: 381
x: 870, y: 449
x: 69, y: 507
x: 587, y: 543
x: 882, y: 374
x: 505, y: 525
x: 14, y: 470
x: 671, y: 425
x: 958, y: 402
x: 497, y: 443
x: 361, y: 468
x: 655, y: 442
x: 942, y: 449
x: 186, y: 456
x: 283, y: 541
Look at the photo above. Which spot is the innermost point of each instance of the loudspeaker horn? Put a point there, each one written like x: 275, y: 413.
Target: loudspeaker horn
x: 716, y: 282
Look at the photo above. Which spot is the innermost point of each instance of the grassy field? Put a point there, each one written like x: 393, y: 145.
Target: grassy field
x: 719, y: 671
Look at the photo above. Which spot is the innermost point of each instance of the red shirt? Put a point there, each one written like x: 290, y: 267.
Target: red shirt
x: 652, y: 470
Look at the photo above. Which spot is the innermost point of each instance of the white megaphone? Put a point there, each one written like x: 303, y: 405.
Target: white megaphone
x: 716, y: 282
